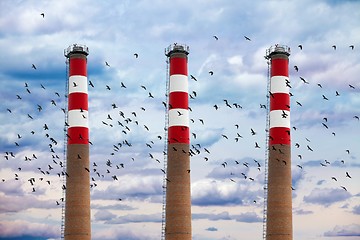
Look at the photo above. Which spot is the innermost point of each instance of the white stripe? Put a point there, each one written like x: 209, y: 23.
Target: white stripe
x: 278, y: 119
x: 278, y: 84
x: 76, y: 118
x: 179, y: 117
x: 179, y: 83
x: 78, y: 83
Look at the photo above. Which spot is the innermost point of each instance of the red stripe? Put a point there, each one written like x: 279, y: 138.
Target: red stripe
x: 78, y: 135
x: 178, y: 134
x: 178, y: 65
x: 78, y: 100
x: 279, y: 67
x: 77, y: 67
x: 279, y: 101
x: 178, y: 100
x: 279, y: 135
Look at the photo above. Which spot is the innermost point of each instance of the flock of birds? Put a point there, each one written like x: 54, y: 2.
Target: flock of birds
x: 129, y: 123
x: 126, y: 122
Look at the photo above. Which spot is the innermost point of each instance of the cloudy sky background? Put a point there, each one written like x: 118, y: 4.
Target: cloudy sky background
x: 222, y: 208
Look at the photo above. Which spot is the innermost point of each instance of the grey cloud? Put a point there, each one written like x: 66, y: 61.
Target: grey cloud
x: 211, y: 229
x: 351, y: 230
x: 327, y: 196
x: 249, y: 217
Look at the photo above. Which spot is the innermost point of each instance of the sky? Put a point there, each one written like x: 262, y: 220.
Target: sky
x: 225, y: 205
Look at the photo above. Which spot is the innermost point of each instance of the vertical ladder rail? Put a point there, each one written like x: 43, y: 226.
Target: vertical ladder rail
x: 163, y: 221
x: 266, y: 151
x: 65, y: 150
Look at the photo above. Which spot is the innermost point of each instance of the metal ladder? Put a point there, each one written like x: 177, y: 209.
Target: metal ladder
x: 163, y: 221
x: 65, y: 151
x: 266, y: 150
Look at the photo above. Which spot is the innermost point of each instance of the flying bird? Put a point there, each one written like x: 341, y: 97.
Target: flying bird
x: 334, y: 47
x: 296, y: 68
x: 247, y: 38
x: 252, y: 131
x: 302, y: 79
x: 216, y: 38
x: 107, y: 64
x: 136, y: 55
x: 42, y: 14
x: 193, y: 78
x: 352, y: 47
x: 211, y: 73
x: 300, y: 46
x: 33, y: 66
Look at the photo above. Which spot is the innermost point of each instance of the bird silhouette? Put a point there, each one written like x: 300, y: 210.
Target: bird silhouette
x: 303, y: 79
x: 300, y: 46
x: 211, y: 73
x: 193, y: 78
x: 33, y: 66
x: 216, y: 37
x: 136, y: 55
x: 107, y: 64
x: 247, y: 38
x: 352, y: 47
x: 252, y: 131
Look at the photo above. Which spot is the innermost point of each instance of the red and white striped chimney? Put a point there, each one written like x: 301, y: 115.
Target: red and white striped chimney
x: 279, y: 199
x: 77, y: 202
x: 178, y: 194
